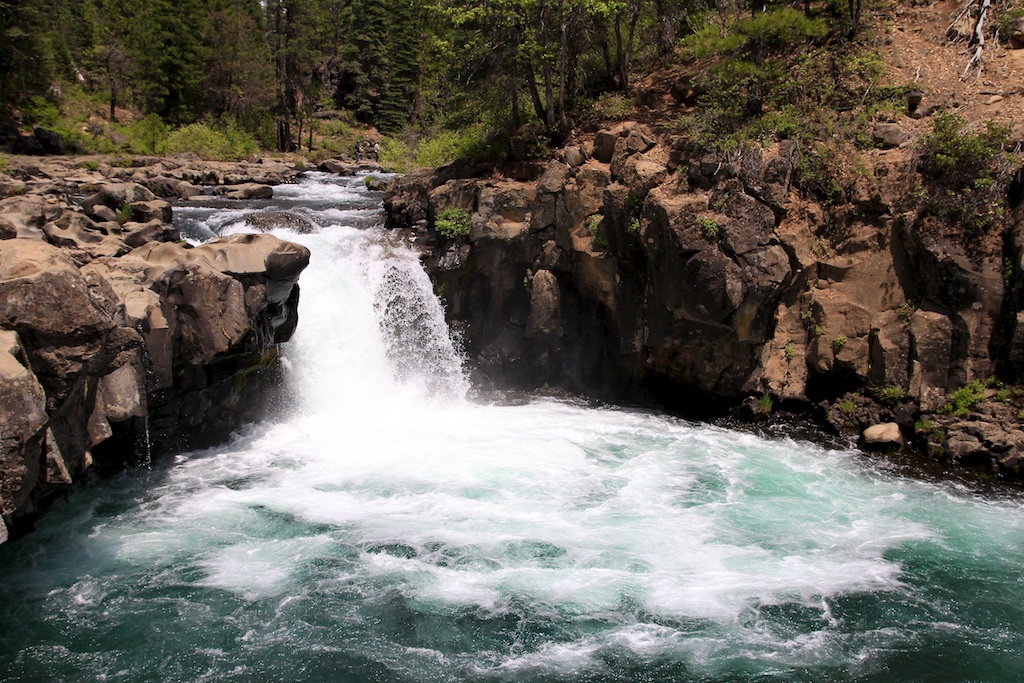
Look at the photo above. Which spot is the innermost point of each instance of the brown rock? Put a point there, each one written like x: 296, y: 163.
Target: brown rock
x: 545, y: 320
x: 882, y: 437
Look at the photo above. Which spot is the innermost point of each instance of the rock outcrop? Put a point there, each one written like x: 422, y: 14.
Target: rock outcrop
x: 644, y: 269
x: 118, y: 342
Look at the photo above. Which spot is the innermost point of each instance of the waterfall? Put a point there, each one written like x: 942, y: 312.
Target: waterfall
x: 386, y: 528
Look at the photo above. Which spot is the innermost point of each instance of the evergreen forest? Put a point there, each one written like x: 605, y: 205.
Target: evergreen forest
x: 464, y: 76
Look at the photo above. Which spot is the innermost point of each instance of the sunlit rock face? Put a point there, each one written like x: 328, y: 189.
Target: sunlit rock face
x: 111, y: 332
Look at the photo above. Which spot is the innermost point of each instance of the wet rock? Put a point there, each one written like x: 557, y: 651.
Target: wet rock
x: 338, y: 167
x: 246, y: 191
x: 154, y: 210
x: 545, y: 319
x: 265, y: 221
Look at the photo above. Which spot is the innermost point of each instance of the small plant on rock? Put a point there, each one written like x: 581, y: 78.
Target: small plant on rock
x: 765, y: 404
x: 595, y: 228
x: 838, y: 342
x: 453, y: 222
x: 789, y: 350
x: 890, y: 395
x: 709, y: 228
x: 965, y: 398
x: 847, y: 407
x: 124, y: 214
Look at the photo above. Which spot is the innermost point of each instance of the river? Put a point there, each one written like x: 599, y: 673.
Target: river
x: 387, y: 528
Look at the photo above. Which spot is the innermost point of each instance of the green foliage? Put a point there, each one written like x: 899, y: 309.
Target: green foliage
x: 905, y: 311
x: 709, y: 229
x: 965, y: 173
x: 890, y: 395
x: 124, y: 214
x: 838, y: 342
x: 965, y: 398
x: 613, y: 106
x: 148, y: 135
x: 765, y: 404
x: 211, y: 143
x: 453, y: 222
x: 924, y: 425
x: 789, y: 351
x: 4, y: 163
x: 634, y: 225
x: 40, y: 111
x: 595, y: 226
x: 818, y: 331
x: 847, y: 407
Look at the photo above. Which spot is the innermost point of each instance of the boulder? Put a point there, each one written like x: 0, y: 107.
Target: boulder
x: 153, y: 210
x: 338, y: 167
x: 25, y: 216
x: 889, y: 135
x: 117, y: 195
x: 246, y: 191
x: 165, y: 186
x: 883, y: 436
x: 376, y: 184
x: 82, y: 238
x: 265, y: 221
x: 545, y: 319
x: 51, y: 142
x: 28, y: 145
x: 1016, y: 33
x: 137, y: 234
x: 23, y: 416
x: 66, y: 322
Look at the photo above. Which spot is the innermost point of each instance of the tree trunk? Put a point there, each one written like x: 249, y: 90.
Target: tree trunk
x: 531, y: 83
x: 549, y: 96
x: 516, y: 116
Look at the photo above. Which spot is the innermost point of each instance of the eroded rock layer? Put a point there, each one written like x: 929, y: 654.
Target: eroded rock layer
x: 117, y: 341
x: 629, y: 265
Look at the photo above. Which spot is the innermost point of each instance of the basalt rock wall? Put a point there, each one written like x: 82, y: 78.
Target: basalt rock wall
x: 627, y: 266
x: 118, y: 342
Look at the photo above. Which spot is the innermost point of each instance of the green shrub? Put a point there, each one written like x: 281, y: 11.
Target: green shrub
x: 838, y: 342
x: 147, y: 136
x: 890, y: 395
x: 396, y: 156
x: 613, y: 106
x: 765, y: 404
x: 965, y: 173
x: 124, y: 214
x: 965, y: 398
x: 847, y: 407
x: 789, y: 350
x: 709, y: 229
x: 453, y: 222
x: 226, y: 144
x: 40, y: 111
x: 596, y: 229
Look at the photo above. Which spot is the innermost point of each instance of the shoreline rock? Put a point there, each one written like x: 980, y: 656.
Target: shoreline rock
x: 630, y: 268
x: 117, y: 342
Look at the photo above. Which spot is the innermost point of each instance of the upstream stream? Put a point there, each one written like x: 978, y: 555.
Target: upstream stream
x: 387, y: 528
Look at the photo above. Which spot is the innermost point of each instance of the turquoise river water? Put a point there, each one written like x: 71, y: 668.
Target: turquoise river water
x: 386, y: 528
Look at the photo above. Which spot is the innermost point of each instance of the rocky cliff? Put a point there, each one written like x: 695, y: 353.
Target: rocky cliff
x: 117, y: 341
x: 630, y: 265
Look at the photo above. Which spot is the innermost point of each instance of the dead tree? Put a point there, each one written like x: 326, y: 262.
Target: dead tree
x: 975, y: 14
